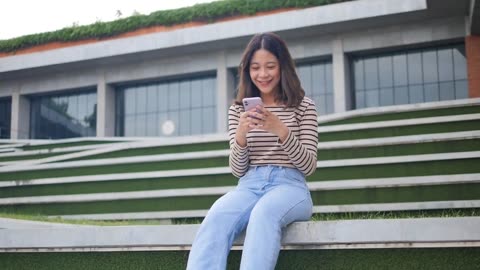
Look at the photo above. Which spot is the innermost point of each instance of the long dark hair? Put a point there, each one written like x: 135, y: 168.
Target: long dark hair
x: 290, y: 91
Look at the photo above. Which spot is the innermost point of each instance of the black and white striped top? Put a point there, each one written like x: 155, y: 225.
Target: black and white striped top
x: 299, y: 150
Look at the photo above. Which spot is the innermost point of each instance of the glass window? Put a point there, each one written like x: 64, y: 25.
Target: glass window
x: 320, y: 100
x: 141, y: 100
x: 129, y: 124
x: 445, y: 65
x: 208, y: 90
x: 162, y: 95
x: 119, y: 110
x: 210, y: 116
x: 371, y: 74
x: 196, y: 124
x: 72, y: 106
x: 236, y: 80
x: 92, y: 115
x: 385, y: 71
x: 446, y: 92
x: 460, y: 63
x: 461, y: 89
x: 372, y: 98
x: 185, y: 122
x: 196, y: 93
x: 429, y: 63
x: 151, y: 99
x: 330, y: 108
x: 358, y: 74
x: 400, y: 95
x: 360, y: 99
x: 130, y: 106
x: 151, y: 124
x: 173, y: 96
x: 415, y: 92
x: 400, y: 70
x: 82, y: 109
x: 414, y: 66
x: 141, y: 125
x: 172, y: 125
x: 431, y: 92
x: 63, y: 115
x: 411, y: 76
x: 317, y: 81
x: 5, y: 117
x: 305, y: 74
x: 185, y: 93
x: 329, y: 80
x: 386, y: 97
x: 170, y: 108
x: 162, y: 122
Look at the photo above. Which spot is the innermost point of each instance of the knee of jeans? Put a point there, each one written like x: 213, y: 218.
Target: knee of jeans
x: 221, y: 227
x: 215, y: 218
x: 261, y: 215
x: 221, y: 220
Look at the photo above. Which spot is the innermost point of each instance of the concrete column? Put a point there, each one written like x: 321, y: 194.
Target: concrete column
x: 105, y: 108
x: 225, y: 82
x: 20, y: 124
x: 341, y: 78
x: 472, y: 45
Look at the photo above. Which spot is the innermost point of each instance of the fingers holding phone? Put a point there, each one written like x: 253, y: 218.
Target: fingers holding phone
x: 244, y: 126
x: 249, y: 120
x: 256, y: 119
x: 253, y: 109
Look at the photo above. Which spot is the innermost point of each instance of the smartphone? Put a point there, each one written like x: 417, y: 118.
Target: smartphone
x: 251, y: 102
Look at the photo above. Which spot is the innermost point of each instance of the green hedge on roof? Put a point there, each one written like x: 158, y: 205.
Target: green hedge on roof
x: 207, y: 12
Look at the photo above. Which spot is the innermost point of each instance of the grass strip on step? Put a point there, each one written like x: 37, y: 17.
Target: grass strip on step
x: 168, y: 149
x: 450, y: 146
x: 347, y: 197
x: 399, y: 131
x: 469, y: 109
x: 66, y: 144
x: 117, y: 168
x: 197, y: 181
x: 442, y: 213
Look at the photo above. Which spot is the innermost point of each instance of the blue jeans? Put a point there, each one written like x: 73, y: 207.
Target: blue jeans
x: 267, y: 198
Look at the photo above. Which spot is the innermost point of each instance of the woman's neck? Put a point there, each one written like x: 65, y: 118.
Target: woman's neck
x: 268, y: 100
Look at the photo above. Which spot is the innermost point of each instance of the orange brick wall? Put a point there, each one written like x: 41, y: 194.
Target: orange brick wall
x: 472, y: 46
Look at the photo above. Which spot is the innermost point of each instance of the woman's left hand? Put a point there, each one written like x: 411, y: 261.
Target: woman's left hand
x: 271, y: 123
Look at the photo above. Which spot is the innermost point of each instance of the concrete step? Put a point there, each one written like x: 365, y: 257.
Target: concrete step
x: 388, y: 233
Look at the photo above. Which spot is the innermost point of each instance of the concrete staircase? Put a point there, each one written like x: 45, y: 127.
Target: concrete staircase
x: 402, y: 158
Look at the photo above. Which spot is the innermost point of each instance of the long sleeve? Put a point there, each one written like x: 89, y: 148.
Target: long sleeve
x: 302, y: 149
x: 238, y: 159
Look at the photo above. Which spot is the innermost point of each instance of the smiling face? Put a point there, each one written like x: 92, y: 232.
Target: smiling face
x: 265, y: 73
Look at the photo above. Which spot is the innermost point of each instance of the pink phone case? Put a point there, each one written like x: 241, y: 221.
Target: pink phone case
x: 251, y: 102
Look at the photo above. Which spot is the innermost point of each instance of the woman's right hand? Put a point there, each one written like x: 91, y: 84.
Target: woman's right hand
x: 245, y: 124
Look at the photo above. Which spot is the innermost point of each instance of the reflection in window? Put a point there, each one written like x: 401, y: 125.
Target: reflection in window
x: 317, y: 81
x: 5, y: 116
x: 63, y: 116
x: 412, y: 76
x: 169, y: 108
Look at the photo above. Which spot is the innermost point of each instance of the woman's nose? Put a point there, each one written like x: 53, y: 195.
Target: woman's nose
x: 263, y: 72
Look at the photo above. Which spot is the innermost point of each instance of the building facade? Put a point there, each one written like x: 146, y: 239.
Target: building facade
x: 349, y: 56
